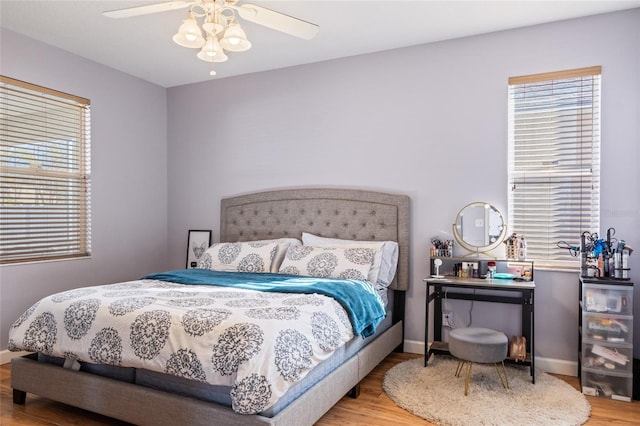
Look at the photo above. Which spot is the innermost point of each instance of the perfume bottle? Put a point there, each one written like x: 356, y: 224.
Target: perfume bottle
x: 522, y: 249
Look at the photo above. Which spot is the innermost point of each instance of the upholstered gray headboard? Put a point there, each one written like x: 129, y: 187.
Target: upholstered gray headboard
x: 336, y: 213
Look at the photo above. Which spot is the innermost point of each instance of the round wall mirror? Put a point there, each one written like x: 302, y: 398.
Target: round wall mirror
x: 479, y: 227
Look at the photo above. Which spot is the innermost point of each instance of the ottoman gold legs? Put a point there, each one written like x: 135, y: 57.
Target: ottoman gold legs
x: 505, y: 382
x: 502, y: 374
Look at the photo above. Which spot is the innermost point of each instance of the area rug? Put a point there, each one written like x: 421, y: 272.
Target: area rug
x: 435, y: 394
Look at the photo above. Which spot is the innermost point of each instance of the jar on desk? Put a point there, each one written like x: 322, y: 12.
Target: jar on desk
x: 491, y: 269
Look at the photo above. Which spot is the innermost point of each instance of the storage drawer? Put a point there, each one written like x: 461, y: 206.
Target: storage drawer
x: 611, y: 385
x: 607, y: 357
x: 610, y: 299
x: 607, y: 328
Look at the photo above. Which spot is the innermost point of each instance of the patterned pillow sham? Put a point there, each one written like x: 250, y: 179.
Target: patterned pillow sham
x: 385, y: 262
x: 328, y: 262
x: 250, y: 256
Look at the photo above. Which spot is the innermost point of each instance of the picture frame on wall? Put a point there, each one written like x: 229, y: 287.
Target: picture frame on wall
x: 197, y: 243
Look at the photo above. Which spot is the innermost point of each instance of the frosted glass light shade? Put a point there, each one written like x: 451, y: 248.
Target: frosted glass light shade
x: 189, y: 34
x: 212, y: 51
x: 235, y: 40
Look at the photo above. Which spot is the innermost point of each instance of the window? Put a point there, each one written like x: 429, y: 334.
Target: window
x: 554, y: 161
x: 44, y: 174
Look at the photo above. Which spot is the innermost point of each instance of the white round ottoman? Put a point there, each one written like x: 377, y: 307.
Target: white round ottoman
x: 481, y: 345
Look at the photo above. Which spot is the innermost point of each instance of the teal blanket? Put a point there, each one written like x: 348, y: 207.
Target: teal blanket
x: 358, y: 298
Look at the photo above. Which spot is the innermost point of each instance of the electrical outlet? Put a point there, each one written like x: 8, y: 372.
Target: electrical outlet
x: 447, y: 319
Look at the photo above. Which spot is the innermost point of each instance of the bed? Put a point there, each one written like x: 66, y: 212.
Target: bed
x: 145, y: 397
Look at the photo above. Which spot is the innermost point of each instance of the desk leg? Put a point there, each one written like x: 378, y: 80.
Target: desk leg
x: 527, y: 329
x: 426, y: 327
x: 437, y: 313
x: 436, y: 297
x: 533, y: 338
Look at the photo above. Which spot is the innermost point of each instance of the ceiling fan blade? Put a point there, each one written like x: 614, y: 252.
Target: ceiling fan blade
x: 148, y: 9
x: 278, y: 21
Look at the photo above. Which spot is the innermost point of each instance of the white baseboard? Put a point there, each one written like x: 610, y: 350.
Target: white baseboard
x: 548, y: 365
x: 557, y: 366
x: 414, y: 347
x: 6, y: 356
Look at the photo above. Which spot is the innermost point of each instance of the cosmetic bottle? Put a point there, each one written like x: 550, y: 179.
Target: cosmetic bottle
x: 491, y: 269
x: 522, y: 249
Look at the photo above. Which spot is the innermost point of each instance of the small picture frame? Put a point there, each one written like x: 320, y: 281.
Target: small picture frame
x: 197, y: 243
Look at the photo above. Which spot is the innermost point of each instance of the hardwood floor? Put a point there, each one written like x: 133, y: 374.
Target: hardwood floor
x: 372, y: 407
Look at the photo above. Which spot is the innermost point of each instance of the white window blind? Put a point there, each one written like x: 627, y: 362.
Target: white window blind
x: 554, y: 161
x: 45, y: 166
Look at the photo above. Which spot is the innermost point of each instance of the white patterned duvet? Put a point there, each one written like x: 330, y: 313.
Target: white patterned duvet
x: 260, y: 344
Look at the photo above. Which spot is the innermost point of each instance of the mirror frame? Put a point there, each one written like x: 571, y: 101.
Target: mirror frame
x: 471, y: 247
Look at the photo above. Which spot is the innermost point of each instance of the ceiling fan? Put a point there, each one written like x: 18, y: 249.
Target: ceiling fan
x: 222, y: 32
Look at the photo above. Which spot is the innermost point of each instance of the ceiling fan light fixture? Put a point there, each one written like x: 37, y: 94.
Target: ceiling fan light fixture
x: 217, y: 18
x: 235, y: 39
x: 220, y: 57
x: 189, y: 33
x: 212, y: 51
x: 214, y: 24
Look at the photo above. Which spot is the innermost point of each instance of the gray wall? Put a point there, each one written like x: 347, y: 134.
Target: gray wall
x: 129, y: 175
x: 429, y: 121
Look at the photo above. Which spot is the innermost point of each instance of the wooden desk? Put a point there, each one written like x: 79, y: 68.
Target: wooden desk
x: 515, y: 292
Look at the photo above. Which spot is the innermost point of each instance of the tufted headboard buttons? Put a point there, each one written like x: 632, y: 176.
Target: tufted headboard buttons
x: 336, y: 213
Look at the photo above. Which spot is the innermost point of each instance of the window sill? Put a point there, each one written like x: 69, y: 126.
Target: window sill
x: 35, y: 262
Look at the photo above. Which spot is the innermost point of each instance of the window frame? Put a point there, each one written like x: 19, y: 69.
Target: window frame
x: 566, y: 179
x: 45, y: 172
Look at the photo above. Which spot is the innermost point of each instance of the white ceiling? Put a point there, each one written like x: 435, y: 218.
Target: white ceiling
x: 142, y: 46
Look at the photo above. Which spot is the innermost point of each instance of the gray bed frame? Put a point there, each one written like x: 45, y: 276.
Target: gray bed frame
x: 330, y: 212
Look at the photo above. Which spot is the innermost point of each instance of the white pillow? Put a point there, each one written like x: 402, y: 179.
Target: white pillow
x: 249, y: 256
x: 328, y: 262
x: 385, y: 261
x: 281, y: 251
x: 382, y: 292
